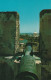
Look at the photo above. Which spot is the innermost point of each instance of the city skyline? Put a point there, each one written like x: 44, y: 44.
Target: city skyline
x: 29, y: 12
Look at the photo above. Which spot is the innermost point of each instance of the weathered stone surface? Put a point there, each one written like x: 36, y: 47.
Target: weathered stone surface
x: 45, y: 34
x: 6, y: 69
x: 45, y: 44
x: 9, y: 33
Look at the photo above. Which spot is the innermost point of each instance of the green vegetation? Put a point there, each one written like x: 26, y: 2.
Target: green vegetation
x: 30, y: 38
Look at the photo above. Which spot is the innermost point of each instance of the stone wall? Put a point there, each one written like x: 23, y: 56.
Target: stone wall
x: 9, y: 33
x: 45, y: 33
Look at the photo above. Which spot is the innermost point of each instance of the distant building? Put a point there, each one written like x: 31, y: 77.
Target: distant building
x: 35, y: 34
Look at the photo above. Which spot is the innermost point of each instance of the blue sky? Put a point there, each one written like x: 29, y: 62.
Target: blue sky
x: 28, y: 10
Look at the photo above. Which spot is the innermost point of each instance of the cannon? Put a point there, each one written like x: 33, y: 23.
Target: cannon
x: 27, y: 70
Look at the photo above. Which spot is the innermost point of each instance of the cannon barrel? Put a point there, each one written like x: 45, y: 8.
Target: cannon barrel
x: 27, y: 69
x: 28, y: 50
